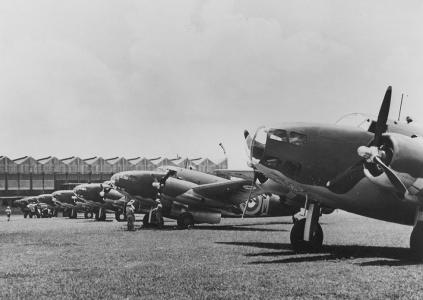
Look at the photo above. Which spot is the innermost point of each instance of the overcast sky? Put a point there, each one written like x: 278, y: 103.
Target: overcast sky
x: 147, y: 78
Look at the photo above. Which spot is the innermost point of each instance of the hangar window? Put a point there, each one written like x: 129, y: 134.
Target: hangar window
x: 297, y: 139
x: 278, y: 135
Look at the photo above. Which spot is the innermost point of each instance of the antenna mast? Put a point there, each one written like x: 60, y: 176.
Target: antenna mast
x: 399, y: 114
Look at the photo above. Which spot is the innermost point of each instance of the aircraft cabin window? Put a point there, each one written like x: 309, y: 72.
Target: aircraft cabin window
x: 278, y: 135
x: 297, y: 139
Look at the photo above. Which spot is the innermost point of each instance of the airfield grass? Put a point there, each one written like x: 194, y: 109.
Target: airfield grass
x: 83, y: 259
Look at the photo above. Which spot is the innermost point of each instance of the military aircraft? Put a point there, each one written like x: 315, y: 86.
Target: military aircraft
x: 39, y: 206
x: 71, y: 205
x: 93, y: 196
x: 376, y: 173
x: 191, y: 196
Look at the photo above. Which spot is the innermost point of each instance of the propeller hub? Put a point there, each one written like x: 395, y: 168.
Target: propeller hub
x: 369, y: 153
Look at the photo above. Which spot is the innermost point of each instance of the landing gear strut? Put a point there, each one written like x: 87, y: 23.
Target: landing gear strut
x: 101, y: 214
x: 416, y: 238
x: 306, y: 234
x: 150, y: 220
x: 73, y: 214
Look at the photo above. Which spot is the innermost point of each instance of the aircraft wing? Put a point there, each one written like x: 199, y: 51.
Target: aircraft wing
x: 228, y: 192
x: 243, y: 174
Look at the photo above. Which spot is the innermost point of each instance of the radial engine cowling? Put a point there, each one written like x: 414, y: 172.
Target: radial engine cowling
x: 405, y: 158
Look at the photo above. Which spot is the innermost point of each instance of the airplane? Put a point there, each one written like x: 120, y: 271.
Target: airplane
x: 193, y: 197
x: 91, y: 194
x: 37, y: 206
x: 377, y: 173
x: 71, y: 205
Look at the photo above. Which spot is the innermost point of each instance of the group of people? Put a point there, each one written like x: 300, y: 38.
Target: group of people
x: 155, y: 215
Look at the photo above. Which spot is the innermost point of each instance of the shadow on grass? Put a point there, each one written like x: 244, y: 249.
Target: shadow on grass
x: 391, y: 256
x: 234, y: 228
x: 208, y: 227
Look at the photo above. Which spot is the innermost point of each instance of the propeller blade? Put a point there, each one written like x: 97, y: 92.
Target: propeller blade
x: 346, y: 180
x: 253, y: 183
x: 382, y: 117
x: 396, y: 182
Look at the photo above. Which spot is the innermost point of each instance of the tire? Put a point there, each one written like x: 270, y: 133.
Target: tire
x: 118, y: 216
x: 416, y: 242
x: 30, y: 215
x: 145, y: 222
x: 25, y: 215
x: 297, y: 238
x: 185, y: 221
x: 88, y: 215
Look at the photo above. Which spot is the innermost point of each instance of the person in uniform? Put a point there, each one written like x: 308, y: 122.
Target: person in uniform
x: 8, y: 213
x: 159, y: 214
x: 130, y: 215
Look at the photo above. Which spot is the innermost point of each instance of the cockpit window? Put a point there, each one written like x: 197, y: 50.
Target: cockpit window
x: 278, y: 135
x: 297, y: 139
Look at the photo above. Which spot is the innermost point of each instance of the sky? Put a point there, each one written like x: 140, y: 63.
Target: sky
x: 156, y: 78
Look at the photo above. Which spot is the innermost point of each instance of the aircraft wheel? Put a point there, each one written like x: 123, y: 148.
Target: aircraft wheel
x: 25, y: 215
x: 30, y: 215
x: 120, y: 217
x: 88, y: 215
x: 297, y: 238
x: 185, y: 220
x: 416, y: 242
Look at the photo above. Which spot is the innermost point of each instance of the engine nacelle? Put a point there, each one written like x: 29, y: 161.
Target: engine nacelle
x: 406, y: 160
x: 200, y: 216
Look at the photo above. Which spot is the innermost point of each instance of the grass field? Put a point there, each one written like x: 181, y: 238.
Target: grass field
x: 83, y: 259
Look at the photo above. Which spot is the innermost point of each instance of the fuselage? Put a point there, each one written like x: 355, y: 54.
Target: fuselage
x: 305, y: 157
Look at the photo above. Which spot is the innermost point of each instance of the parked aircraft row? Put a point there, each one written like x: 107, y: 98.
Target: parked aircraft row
x: 375, y: 172
x: 189, y: 196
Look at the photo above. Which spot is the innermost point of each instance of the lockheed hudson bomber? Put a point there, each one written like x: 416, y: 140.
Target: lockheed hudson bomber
x: 376, y: 173
x: 192, y: 197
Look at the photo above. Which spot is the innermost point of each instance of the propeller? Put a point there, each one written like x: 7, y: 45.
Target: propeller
x: 105, y: 189
x: 257, y: 175
x: 344, y: 181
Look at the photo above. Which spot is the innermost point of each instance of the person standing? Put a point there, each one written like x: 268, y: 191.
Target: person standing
x: 130, y: 215
x: 8, y: 213
x: 159, y: 213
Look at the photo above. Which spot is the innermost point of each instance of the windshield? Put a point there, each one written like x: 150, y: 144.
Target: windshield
x: 360, y: 120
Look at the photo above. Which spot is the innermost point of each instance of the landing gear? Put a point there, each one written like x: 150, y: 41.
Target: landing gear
x: 101, y: 215
x: 185, y: 220
x: 146, y: 220
x: 119, y: 216
x: 25, y: 214
x: 306, y: 234
x: 416, y: 242
x: 73, y: 214
x: 88, y: 215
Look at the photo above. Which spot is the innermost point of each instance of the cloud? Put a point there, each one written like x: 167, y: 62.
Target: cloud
x: 147, y: 78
